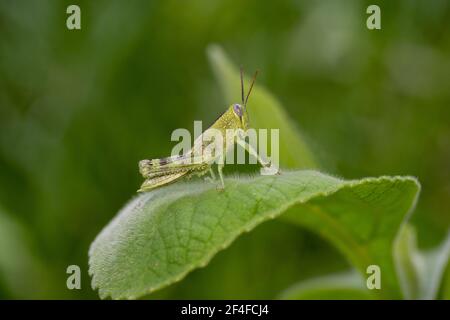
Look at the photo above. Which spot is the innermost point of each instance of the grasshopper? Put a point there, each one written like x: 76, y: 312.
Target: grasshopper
x: 159, y: 172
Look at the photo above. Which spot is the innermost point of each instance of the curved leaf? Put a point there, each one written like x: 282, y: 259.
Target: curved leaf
x: 161, y: 236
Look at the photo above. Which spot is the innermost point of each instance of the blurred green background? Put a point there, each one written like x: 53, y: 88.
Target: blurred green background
x: 79, y: 109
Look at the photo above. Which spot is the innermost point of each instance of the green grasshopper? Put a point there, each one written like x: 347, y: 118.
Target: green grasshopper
x: 159, y: 172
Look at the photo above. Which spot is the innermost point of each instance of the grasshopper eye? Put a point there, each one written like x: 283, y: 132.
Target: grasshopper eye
x: 237, y: 110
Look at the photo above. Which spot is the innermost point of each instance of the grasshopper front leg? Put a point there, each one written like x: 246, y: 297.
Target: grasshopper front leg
x: 220, y: 166
x: 261, y: 159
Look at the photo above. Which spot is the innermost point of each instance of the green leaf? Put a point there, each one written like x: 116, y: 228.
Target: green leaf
x: 336, y: 287
x: 265, y: 111
x: 420, y: 272
x: 160, y: 236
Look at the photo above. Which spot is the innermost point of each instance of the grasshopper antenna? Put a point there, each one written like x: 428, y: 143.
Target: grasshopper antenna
x: 242, y: 85
x: 251, y: 87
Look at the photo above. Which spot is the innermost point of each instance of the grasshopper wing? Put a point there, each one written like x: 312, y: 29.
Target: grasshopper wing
x: 155, y: 182
x: 158, y: 167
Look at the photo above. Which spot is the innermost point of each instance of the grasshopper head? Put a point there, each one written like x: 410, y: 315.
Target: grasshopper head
x: 240, y: 112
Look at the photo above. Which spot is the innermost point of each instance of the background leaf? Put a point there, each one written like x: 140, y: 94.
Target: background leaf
x: 446, y: 284
x: 161, y: 236
x: 22, y: 274
x: 435, y: 262
x: 420, y: 272
x: 341, y: 286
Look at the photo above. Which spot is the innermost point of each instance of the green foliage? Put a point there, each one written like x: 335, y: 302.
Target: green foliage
x: 79, y: 113
x: 161, y: 236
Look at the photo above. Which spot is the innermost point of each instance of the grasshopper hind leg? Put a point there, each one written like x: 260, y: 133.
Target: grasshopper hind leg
x: 212, y: 177
x: 219, y: 169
